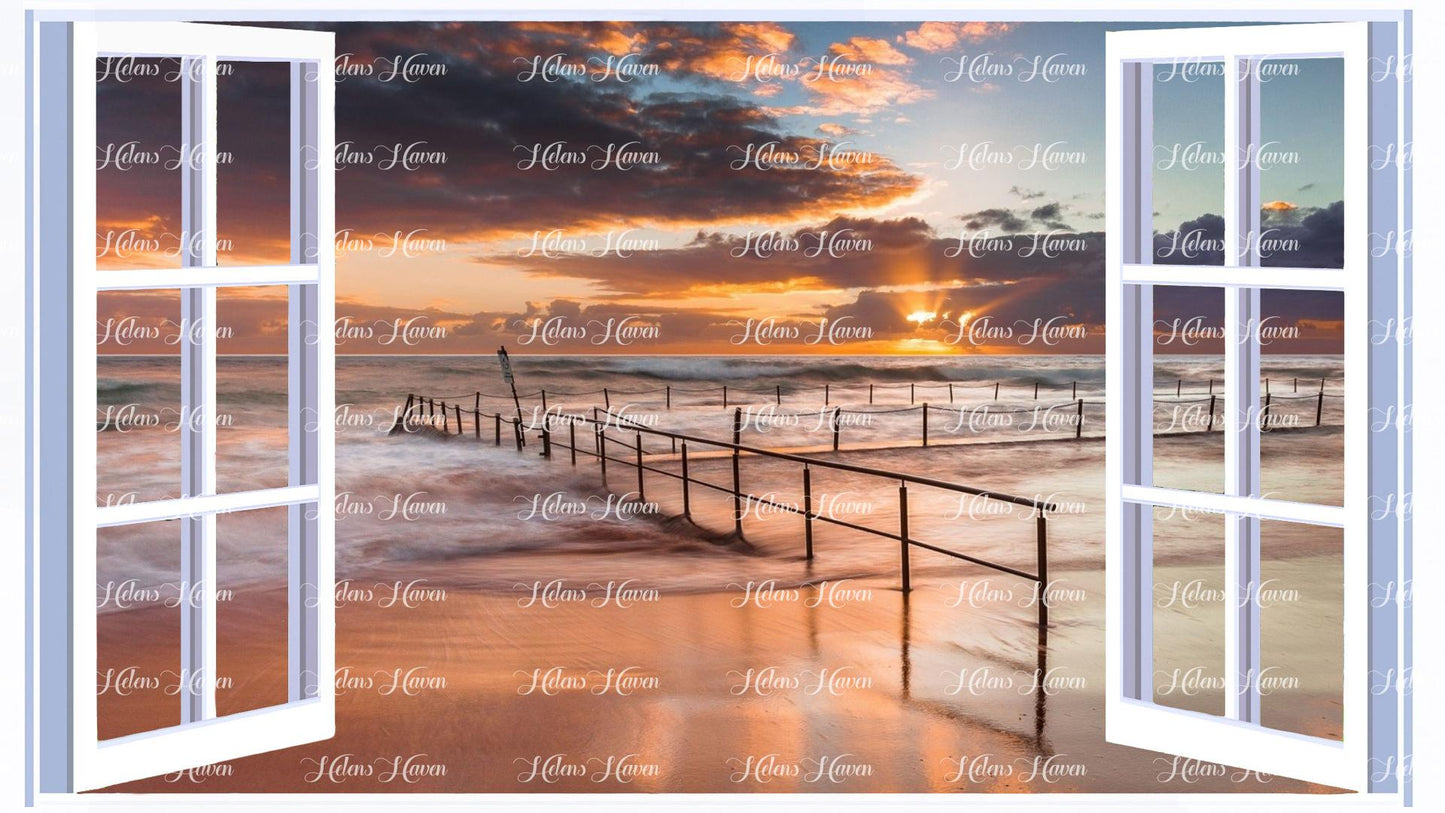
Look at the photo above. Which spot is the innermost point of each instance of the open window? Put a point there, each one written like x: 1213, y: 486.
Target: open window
x: 80, y: 749
x: 1358, y: 744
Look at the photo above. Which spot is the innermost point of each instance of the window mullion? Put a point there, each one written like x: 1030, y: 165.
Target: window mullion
x: 198, y: 388
x: 1241, y: 376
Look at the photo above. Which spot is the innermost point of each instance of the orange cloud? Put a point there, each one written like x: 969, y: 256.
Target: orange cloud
x: 933, y: 37
x: 1279, y: 206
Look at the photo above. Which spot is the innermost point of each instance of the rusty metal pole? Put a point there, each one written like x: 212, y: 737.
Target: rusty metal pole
x: 686, y: 492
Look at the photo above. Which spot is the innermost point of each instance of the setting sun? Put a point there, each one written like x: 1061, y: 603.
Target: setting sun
x: 922, y: 316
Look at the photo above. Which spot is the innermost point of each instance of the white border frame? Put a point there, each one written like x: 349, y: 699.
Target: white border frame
x: 73, y: 758
x: 1366, y: 759
x: 24, y: 301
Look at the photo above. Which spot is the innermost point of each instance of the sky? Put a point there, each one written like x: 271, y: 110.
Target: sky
x: 767, y: 187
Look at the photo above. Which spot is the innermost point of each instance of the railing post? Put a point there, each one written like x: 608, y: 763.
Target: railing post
x: 517, y: 430
x: 903, y: 536
x: 1041, y: 524
x: 911, y: 399
x: 1178, y: 387
x: 950, y: 392
x: 477, y: 401
x: 544, y: 400
x: 572, y: 439
x: 1320, y: 408
x: 778, y: 388
x: 725, y: 396
x: 1264, y: 415
x: 1211, y: 386
x: 837, y: 427
x: 1074, y: 393
x: 807, y: 512
x: 477, y: 423
x: 498, y: 417
x: 1210, y: 427
x: 606, y: 399
x: 1296, y: 384
x: 1079, y: 421
x: 546, y: 440
x: 686, y: 492
x: 444, y: 419
x: 995, y: 390
x: 669, y: 396
x: 925, y: 423
x: 641, y: 485
x: 459, y: 419
x: 827, y: 395
x: 870, y: 394
x: 1036, y: 390
x: 737, y: 473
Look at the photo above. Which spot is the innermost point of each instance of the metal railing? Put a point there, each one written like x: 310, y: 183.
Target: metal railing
x: 422, y: 411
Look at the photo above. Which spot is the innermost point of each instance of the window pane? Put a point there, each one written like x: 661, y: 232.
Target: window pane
x: 251, y: 616
x: 1302, y: 441
x: 1188, y: 167
x: 251, y: 389
x: 1301, y: 162
x: 253, y: 173
x: 138, y: 160
x: 138, y: 396
x: 139, y: 593
x: 1301, y: 600
x: 1188, y: 388
x: 1189, y: 610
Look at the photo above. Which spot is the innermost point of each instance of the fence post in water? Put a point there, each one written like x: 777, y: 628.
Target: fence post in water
x: 544, y: 400
x: 903, y: 536
x: 950, y: 392
x: 995, y: 390
x: 1079, y: 422
x: 1320, y: 408
x: 1178, y: 387
x: 517, y: 430
x: 459, y: 419
x: 827, y: 396
x: 669, y: 396
x: 477, y: 423
x: 572, y: 439
x: 477, y: 401
x: 641, y: 486
x: 444, y: 418
x: 1210, y: 427
x: 1211, y: 386
x: 725, y: 396
x: 498, y: 416
x: 910, y: 394
x: 807, y: 512
x: 546, y: 441
x: 1075, y: 392
x: 870, y: 394
x: 602, y: 452
x: 737, y: 473
x: 779, y: 389
x: 1296, y: 384
x: 1036, y: 390
x: 1264, y: 415
x: 1042, y: 536
x: 925, y: 423
x: 606, y: 399
x: 837, y: 427
x: 686, y: 494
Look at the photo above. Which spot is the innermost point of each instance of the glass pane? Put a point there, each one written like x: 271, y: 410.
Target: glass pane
x: 1188, y: 388
x: 1301, y: 644
x: 1188, y: 176
x: 1301, y: 162
x: 138, y: 628
x: 251, y: 610
x: 138, y: 396
x: 138, y: 158
x: 1189, y: 610
x: 251, y: 389
x: 253, y: 156
x: 1302, y: 371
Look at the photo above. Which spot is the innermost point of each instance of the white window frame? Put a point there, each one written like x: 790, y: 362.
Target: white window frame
x: 1367, y: 759
x: 71, y: 756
